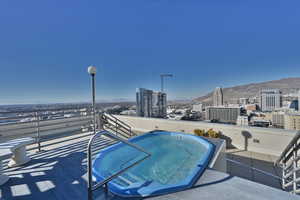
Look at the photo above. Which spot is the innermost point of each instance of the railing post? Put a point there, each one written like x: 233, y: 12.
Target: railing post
x: 116, y: 121
x: 89, y: 169
x: 283, y: 175
x: 38, y: 131
x: 100, y: 121
x: 294, y: 168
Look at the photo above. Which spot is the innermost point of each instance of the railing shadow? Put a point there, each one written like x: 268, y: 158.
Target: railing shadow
x: 58, y: 173
x: 61, y: 180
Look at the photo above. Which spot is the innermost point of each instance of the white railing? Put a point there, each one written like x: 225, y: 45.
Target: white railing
x: 115, y: 125
x: 41, y: 123
x: 289, y: 160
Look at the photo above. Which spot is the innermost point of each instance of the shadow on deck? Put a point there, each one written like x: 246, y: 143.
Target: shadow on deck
x: 59, y: 172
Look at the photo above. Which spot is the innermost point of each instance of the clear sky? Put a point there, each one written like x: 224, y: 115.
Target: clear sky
x: 46, y: 46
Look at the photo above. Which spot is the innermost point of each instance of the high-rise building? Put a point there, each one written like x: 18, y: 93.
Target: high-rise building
x: 144, y: 102
x: 218, y: 97
x: 159, y: 104
x: 270, y: 99
x: 151, y: 104
x: 223, y: 114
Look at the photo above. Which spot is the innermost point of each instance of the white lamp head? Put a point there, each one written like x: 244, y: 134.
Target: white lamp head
x: 92, y: 70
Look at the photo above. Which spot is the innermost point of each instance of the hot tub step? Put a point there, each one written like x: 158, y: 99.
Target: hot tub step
x: 123, y: 179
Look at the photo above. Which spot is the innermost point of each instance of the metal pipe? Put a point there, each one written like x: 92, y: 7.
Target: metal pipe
x: 94, y: 102
x: 89, y: 169
x: 92, y: 71
x: 38, y: 131
x: 288, y: 148
x: 44, y: 110
x: 294, y: 167
x: 283, y: 175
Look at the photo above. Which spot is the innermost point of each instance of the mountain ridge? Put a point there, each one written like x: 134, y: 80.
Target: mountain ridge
x: 232, y: 94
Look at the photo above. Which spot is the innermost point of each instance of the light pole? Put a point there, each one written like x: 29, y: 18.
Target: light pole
x: 162, y: 76
x: 92, y: 71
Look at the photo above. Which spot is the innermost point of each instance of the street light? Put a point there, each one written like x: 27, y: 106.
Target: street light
x: 162, y: 76
x: 92, y: 71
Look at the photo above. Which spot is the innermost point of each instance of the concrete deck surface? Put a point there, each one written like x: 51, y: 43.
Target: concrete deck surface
x: 214, y: 185
x: 59, y: 172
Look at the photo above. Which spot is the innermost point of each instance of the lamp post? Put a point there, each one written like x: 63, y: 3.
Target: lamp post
x: 92, y: 71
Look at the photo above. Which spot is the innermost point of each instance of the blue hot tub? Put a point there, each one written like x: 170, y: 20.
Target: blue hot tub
x: 176, y: 163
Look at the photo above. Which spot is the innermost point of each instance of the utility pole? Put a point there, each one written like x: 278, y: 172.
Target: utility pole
x: 162, y: 76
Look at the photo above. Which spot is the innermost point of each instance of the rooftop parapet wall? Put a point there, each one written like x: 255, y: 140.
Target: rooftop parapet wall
x: 262, y: 140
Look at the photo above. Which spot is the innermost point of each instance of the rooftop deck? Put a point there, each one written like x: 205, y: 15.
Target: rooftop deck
x: 59, y: 172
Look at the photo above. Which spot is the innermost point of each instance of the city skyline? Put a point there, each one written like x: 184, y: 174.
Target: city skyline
x: 46, y: 47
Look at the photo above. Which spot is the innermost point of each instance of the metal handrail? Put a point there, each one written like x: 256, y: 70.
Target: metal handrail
x: 117, y: 124
x: 288, y: 148
x: 115, y: 118
x: 117, y: 128
x: 48, y: 109
x: 40, y: 115
x: 122, y: 133
x: 41, y: 125
x: 92, y: 187
x: 288, y: 161
x: 38, y: 125
x: 120, y: 127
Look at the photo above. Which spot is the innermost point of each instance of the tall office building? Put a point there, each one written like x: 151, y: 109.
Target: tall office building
x: 218, y: 97
x: 270, y: 99
x: 151, y: 104
x: 143, y: 102
x: 159, y: 104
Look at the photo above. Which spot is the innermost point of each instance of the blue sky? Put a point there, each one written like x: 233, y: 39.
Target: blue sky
x: 46, y: 46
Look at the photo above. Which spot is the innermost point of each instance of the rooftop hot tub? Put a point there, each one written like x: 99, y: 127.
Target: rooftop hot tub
x: 177, y: 161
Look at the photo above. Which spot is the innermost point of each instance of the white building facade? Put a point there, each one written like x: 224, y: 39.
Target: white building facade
x: 270, y: 99
x: 223, y: 114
